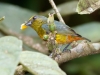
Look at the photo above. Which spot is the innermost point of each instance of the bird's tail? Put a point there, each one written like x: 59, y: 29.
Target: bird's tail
x: 86, y: 39
x: 79, y: 37
x: 83, y: 37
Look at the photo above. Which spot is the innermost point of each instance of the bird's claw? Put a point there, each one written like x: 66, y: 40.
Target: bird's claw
x: 66, y: 50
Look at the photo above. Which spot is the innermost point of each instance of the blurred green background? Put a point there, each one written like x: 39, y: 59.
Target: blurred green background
x: 17, y: 12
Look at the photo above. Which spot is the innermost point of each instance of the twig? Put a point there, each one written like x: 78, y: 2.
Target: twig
x: 1, y: 19
x: 19, y: 70
x: 56, y: 10
x: 82, y: 49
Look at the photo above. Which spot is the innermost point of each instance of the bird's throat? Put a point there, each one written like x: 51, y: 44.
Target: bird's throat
x: 40, y: 31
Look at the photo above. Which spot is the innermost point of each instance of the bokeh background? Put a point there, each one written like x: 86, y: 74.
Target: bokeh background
x: 18, y: 11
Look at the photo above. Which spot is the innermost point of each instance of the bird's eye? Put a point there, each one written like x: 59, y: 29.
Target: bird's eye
x: 29, y: 23
x: 34, y: 17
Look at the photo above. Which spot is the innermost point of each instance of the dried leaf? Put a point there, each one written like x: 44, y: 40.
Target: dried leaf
x: 87, y: 6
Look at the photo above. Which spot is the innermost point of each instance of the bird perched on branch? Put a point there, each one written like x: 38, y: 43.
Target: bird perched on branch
x: 64, y: 35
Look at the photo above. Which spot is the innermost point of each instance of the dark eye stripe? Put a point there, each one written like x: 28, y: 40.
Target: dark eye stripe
x: 34, y: 17
x: 29, y: 23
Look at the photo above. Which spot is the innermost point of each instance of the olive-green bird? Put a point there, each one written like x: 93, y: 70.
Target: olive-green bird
x: 65, y: 34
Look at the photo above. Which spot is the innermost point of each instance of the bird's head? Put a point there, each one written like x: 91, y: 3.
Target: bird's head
x: 34, y: 22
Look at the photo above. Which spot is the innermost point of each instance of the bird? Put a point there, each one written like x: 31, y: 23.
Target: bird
x: 64, y: 35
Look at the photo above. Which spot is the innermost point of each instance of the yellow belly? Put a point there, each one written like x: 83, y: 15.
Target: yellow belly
x: 61, y: 39
x: 65, y: 39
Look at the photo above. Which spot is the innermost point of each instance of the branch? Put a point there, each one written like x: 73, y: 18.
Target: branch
x: 27, y: 40
x: 19, y: 70
x: 82, y: 49
x: 79, y: 50
x: 56, y: 10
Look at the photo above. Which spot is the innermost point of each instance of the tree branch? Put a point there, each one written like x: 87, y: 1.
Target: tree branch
x: 56, y: 10
x: 82, y: 49
x: 27, y: 40
x: 79, y: 50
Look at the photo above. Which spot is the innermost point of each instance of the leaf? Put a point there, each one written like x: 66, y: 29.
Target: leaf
x: 15, y: 16
x: 10, y: 49
x: 89, y: 30
x: 87, y: 6
x: 39, y: 64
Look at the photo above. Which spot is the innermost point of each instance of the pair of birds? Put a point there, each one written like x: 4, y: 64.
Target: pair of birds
x: 65, y: 34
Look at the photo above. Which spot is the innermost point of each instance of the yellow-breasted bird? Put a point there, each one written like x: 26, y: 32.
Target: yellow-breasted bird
x: 65, y: 34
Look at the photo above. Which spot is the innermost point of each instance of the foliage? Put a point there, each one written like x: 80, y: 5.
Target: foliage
x: 39, y: 64
x: 10, y: 47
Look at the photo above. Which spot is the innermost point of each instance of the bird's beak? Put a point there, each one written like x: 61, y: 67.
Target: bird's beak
x: 23, y: 26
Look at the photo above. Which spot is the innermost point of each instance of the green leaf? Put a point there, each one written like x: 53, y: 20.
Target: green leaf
x: 39, y: 64
x: 15, y: 16
x: 87, y: 6
x: 10, y: 49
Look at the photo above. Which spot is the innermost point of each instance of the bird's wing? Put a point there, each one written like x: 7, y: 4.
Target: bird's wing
x: 63, y: 29
x: 60, y: 28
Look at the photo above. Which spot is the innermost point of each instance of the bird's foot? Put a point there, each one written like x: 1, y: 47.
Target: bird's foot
x: 66, y: 50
